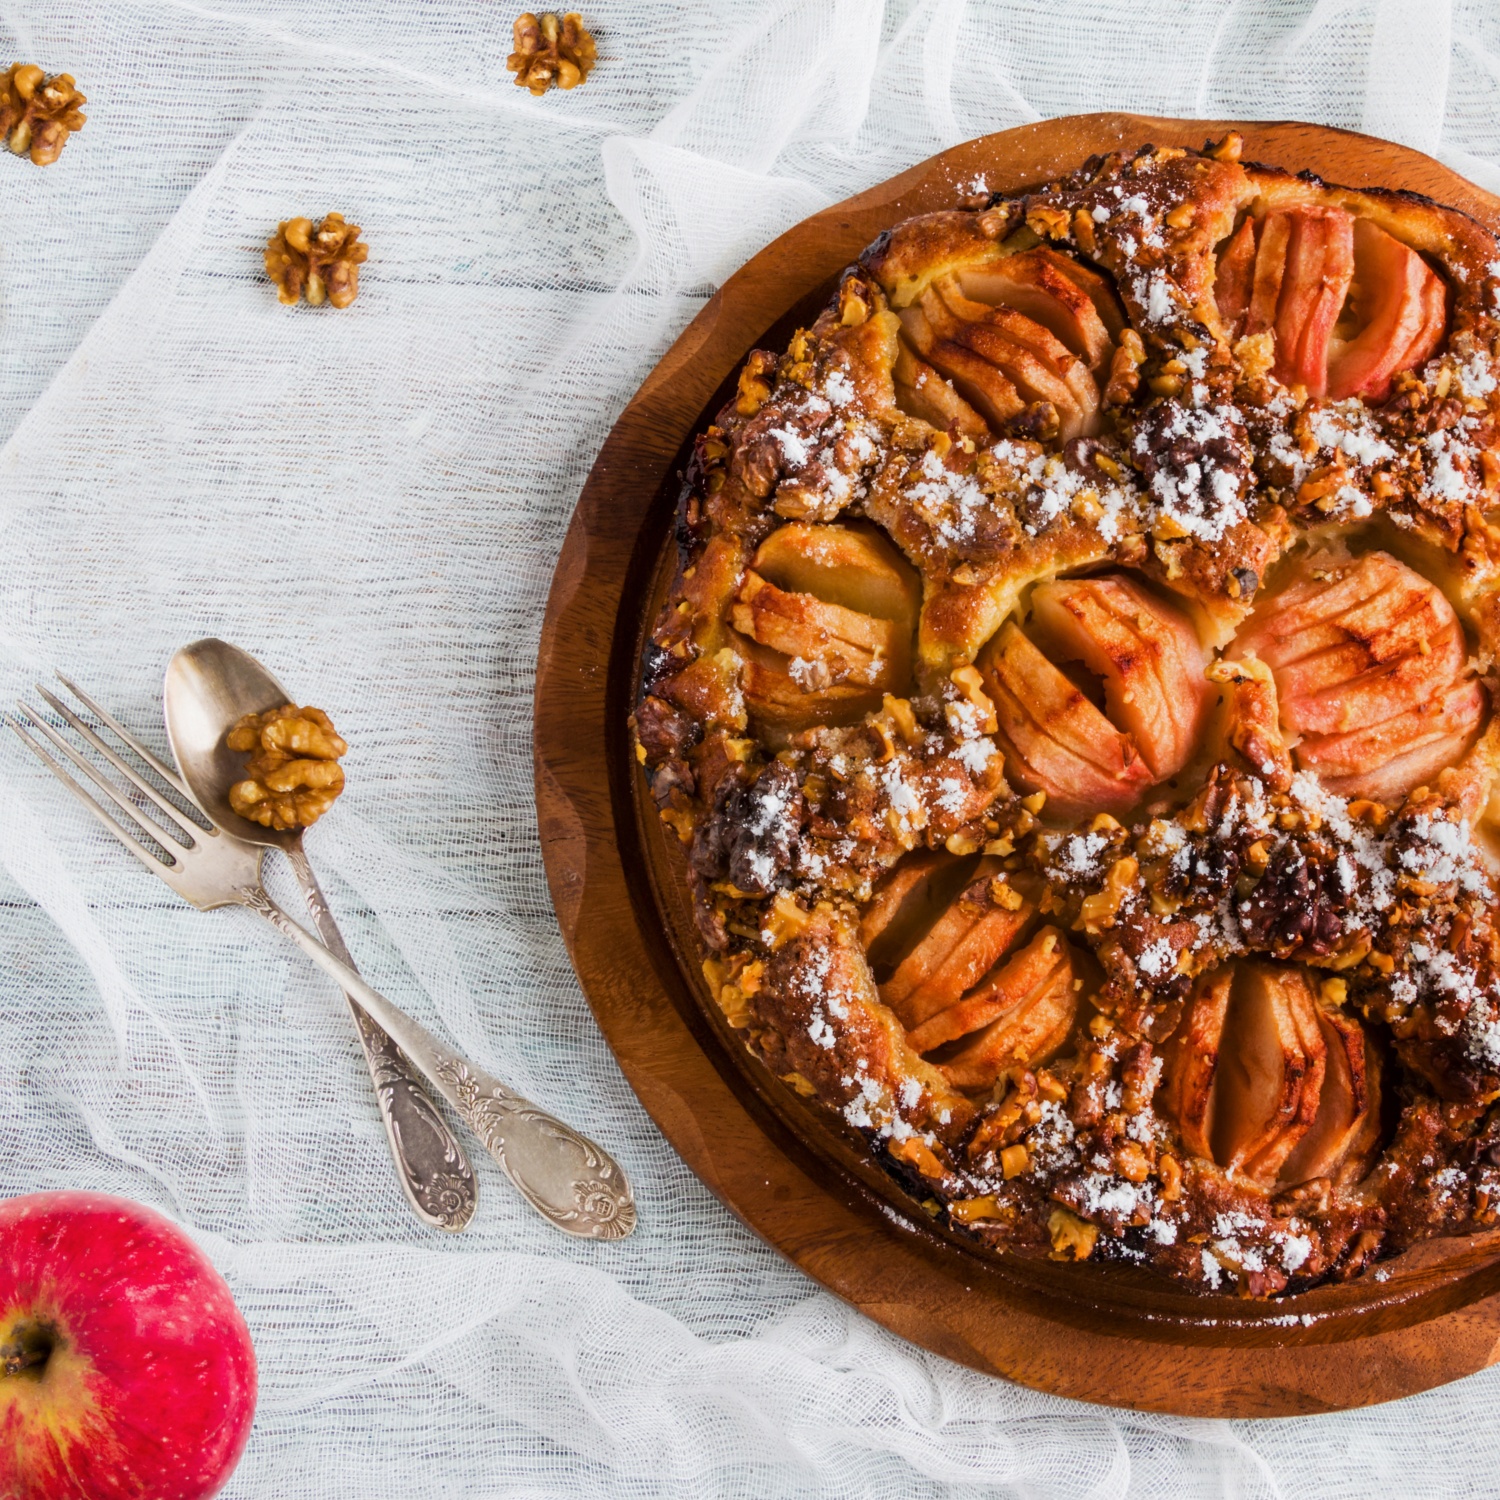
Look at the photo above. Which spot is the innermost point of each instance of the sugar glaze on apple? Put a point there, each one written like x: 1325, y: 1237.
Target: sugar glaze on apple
x: 125, y: 1368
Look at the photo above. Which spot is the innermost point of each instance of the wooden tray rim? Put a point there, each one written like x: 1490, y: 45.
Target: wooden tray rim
x: 691, y: 1075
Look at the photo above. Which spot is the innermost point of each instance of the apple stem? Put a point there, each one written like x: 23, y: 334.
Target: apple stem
x: 28, y: 1348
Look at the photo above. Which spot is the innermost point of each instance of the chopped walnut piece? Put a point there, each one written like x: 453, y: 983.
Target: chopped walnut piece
x: 1072, y: 1238
x: 37, y: 113
x: 1048, y: 222
x: 293, y: 774
x: 322, y: 263
x: 1229, y: 148
x: 549, y: 50
x: 1124, y: 376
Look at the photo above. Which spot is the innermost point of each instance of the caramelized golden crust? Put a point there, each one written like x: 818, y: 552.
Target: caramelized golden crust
x: 1074, y: 704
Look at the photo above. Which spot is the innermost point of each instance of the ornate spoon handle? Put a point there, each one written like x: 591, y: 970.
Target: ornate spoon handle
x: 429, y: 1161
x: 570, y: 1180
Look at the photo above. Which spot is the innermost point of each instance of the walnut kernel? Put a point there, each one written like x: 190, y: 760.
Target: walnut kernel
x: 1229, y: 148
x: 1072, y: 1238
x: 322, y: 263
x: 37, y: 113
x: 551, y: 50
x: 1124, y: 377
x: 293, y: 774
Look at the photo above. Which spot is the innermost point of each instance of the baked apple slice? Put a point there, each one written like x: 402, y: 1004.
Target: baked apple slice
x: 995, y: 993
x: 981, y: 384
x: 1024, y: 1013
x: 908, y: 901
x: 949, y: 329
x: 1425, y: 341
x: 1272, y: 1057
x: 1272, y: 235
x: 1192, y: 1063
x: 1398, y: 312
x: 937, y: 934
x: 1074, y: 303
x: 1044, y: 360
x: 1034, y: 377
x: 922, y: 392
x: 1264, y: 1081
x: 1385, y: 761
x: 1055, y: 740
x: 849, y: 644
x: 1095, y: 285
x: 1332, y: 601
x: 1354, y: 642
x: 825, y: 616
x: 1343, y: 1134
x: 856, y: 567
x: 954, y: 953
x: 1304, y: 262
x: 1371, y: 670
x: 1234, y: 278
x: 1319, y: 268
x: 1144, y: 650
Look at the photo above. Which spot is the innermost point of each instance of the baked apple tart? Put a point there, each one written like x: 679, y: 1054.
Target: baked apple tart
x: 1074, y: 702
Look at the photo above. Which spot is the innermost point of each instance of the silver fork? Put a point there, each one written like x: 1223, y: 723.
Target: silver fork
x: 569, y: 1179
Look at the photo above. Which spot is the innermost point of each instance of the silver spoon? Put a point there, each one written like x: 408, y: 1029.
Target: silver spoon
x: 572, y: 1181
x: 210, y: 687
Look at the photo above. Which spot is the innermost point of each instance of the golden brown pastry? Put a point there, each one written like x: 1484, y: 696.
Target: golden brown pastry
x: 1075, y: 704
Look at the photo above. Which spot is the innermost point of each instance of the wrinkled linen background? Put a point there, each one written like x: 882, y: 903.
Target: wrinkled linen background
x: 372, y: 502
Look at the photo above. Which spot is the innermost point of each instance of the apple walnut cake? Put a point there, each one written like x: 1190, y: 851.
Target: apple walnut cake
x: 1074, y: 701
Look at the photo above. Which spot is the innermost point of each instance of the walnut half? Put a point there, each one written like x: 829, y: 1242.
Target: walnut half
x: 323, y: 261
x: 551, y: 50
x: 293, y: 774
x: 37, y: 113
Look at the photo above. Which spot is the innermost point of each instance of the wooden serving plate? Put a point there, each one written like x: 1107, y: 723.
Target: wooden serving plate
x: 1106, y: 1334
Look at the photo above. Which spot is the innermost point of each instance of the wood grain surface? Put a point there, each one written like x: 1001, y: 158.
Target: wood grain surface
x: 1105, y: 1334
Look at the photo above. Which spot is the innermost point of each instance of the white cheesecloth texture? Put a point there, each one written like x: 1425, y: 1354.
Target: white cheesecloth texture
x: 372, y: 501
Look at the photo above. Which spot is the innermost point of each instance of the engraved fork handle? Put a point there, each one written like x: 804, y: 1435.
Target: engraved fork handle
x: 573, y: 1182
x: 431, y: 1164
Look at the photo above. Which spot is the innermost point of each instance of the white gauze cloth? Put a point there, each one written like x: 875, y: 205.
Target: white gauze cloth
x: 372, y: 502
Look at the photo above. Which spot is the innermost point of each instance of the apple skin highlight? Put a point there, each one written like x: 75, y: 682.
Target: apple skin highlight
x: 126, y: 1370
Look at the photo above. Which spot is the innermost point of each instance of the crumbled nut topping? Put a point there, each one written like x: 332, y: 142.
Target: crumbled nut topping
x: 320, y: 263
x: 1229, y: 148
x: 551, y: 51
x: 37, y: 113
x: 293, y: 774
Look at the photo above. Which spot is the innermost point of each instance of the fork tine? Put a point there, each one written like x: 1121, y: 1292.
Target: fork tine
x: 105, y: 785
x: 135, y: 846
x: 123, y: 767
x: 104, y: 716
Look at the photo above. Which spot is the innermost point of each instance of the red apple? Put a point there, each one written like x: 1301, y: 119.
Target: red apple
x: 126, y: 1371
x: 1350, y: 305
